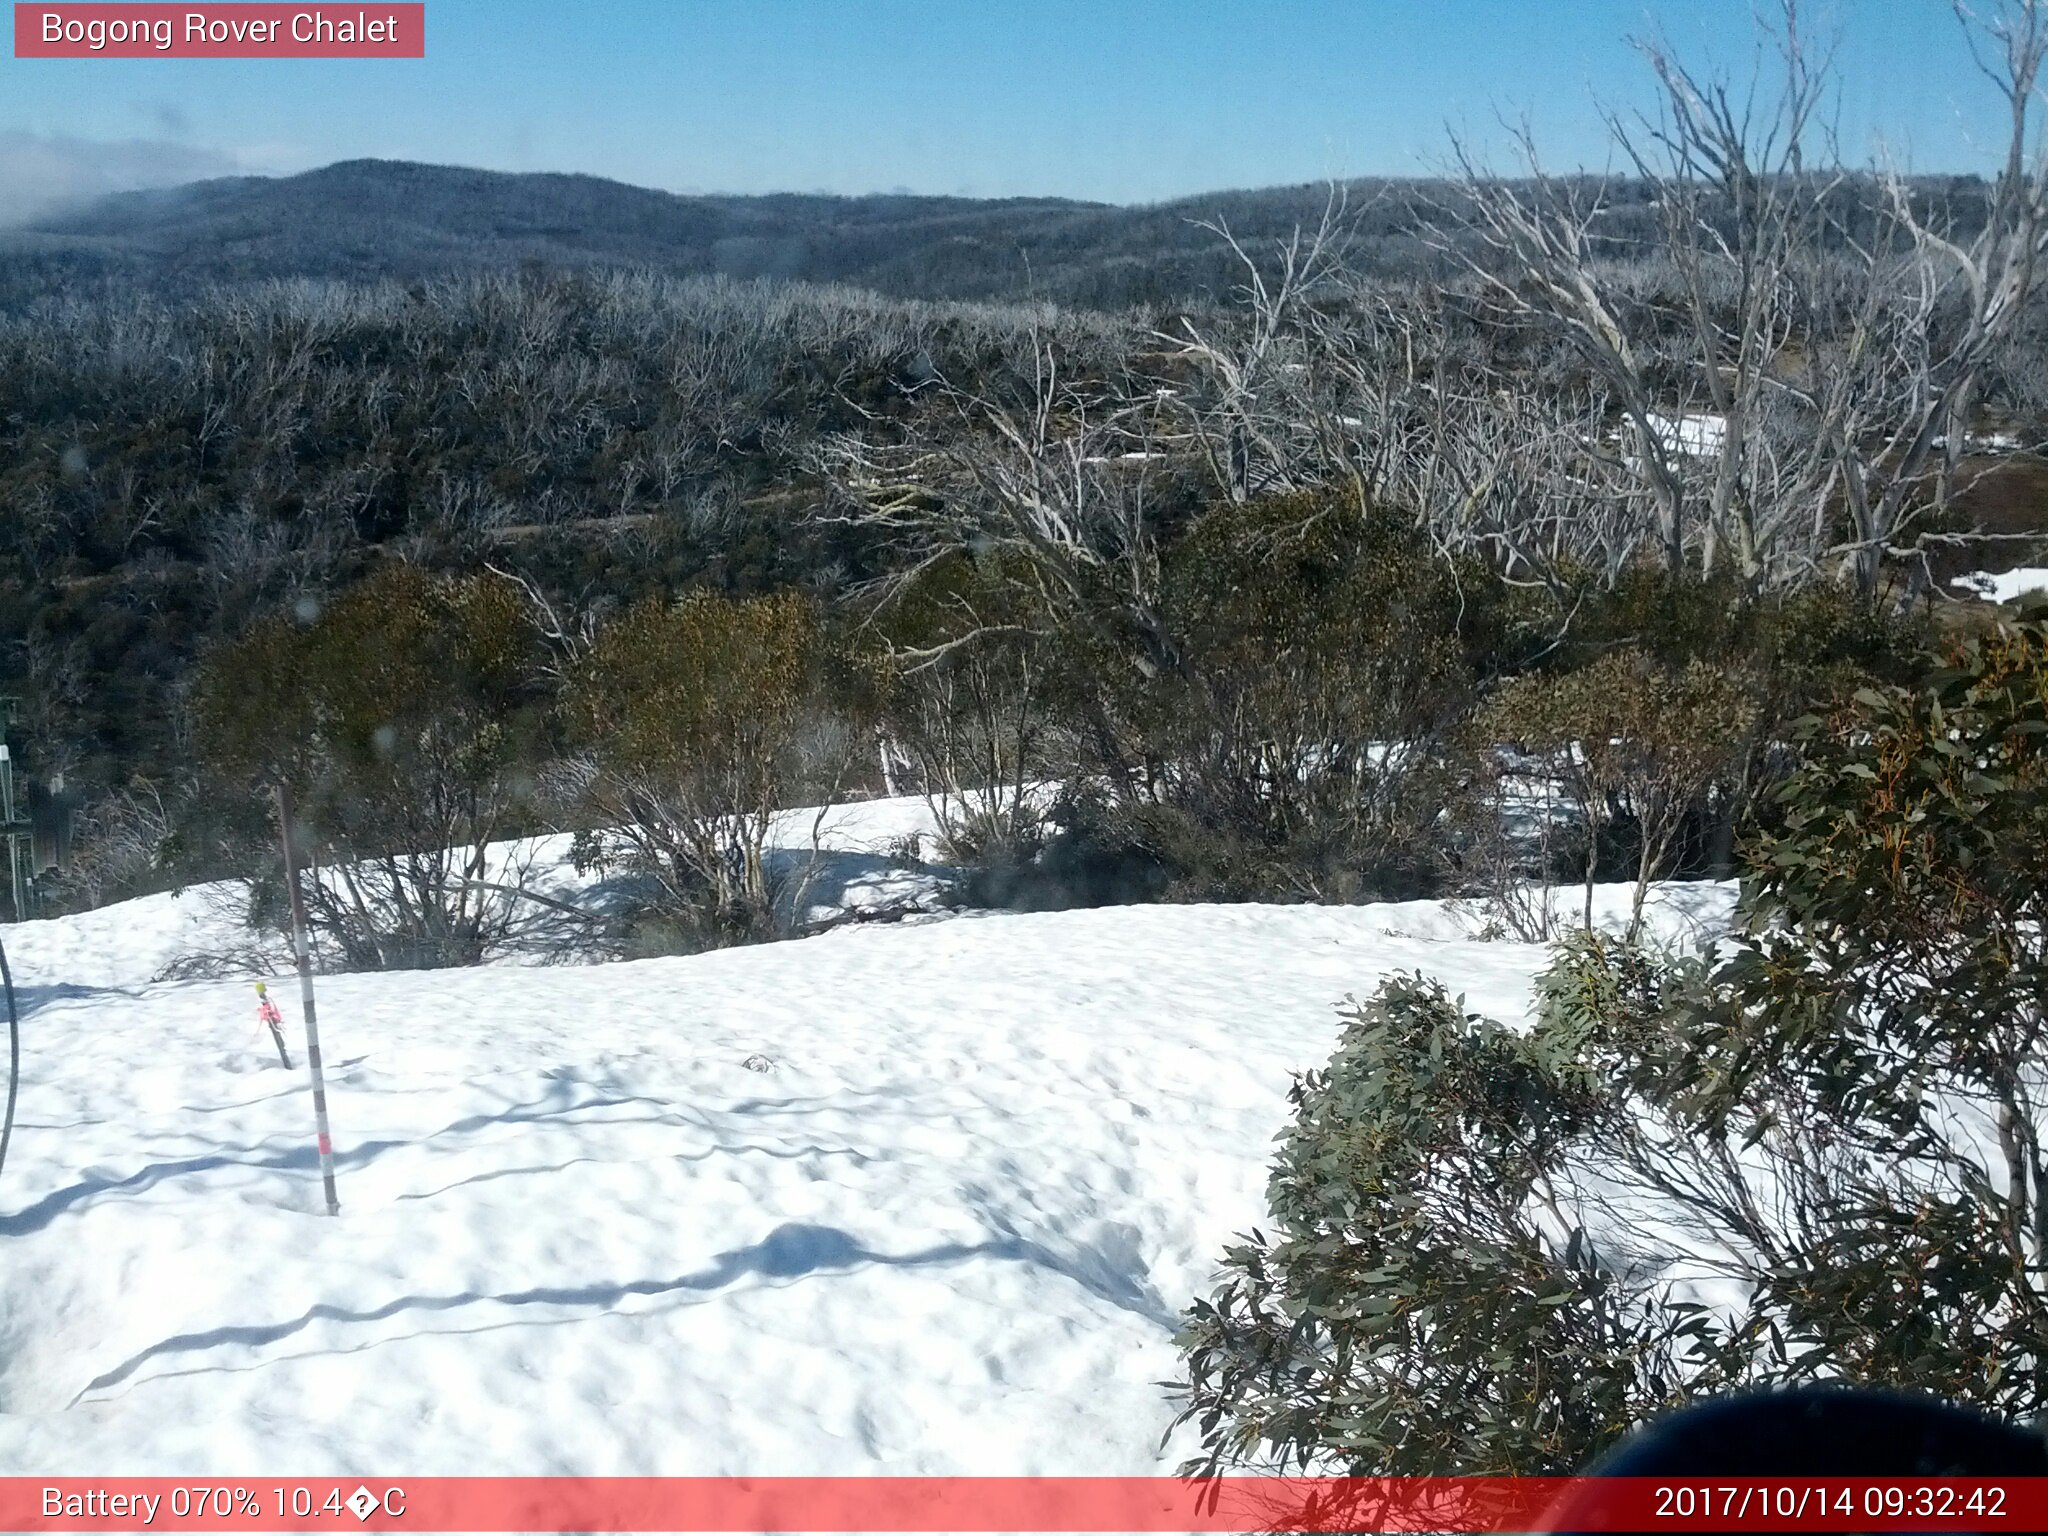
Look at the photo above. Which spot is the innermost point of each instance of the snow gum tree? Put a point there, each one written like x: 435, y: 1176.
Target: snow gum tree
x: 1426, y: 1302
x: 1813, y: 1153
x: 1883, y: 1020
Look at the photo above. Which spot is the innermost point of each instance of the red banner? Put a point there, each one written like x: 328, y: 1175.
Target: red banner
x: 86, y: 29
x: 1051, y: 1504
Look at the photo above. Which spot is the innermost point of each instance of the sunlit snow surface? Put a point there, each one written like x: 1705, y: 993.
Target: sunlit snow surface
x: 2006, y: 586
x: 944, y: 1224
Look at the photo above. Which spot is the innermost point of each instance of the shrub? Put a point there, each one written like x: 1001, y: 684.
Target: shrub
x: 1675, y: 617
x: 1813, y: 1154
x: 401, y: 717
x: 1884, y: 1015
x: 1629, y: 739
x: 1298, y: 747
x: 1092, y: 854
x: 967, y: 701
x: 1419, y: 1308
x: 697, y: 721
x: 1815, y: 647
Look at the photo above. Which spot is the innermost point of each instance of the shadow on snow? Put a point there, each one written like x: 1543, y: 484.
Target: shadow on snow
x: 791, y: 1252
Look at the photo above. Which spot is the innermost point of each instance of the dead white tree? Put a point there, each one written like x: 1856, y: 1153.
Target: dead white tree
x: 1742, y: 211
x: 1532, y: 246
x: 1800, y: 371
x: 1051, y: 483
x: 1939, y: 362
x: 1334, y: 380
x: 1261, y: 398
x: 568, y: 636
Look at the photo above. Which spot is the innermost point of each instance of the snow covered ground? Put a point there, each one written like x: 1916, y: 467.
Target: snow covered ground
x: 2005, y: 586
x: 858, y: 858
x: 920, y: 1198
x: 1698, y: 434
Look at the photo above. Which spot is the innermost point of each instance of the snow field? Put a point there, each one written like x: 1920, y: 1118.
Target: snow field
x: 945, y: 1225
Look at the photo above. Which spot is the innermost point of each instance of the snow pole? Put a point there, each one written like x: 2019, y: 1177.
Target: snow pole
x: 291, y: 882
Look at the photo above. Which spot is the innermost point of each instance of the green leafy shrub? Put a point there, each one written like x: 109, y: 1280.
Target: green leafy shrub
x: 1891, y: 988
x: 697, y: 720
x: 1298, y: 748
x: 1675, y: 617
x: 1632, y: 740
x: 1419, y: 1310
x: 403, y: 715
x: 1811, y: 1154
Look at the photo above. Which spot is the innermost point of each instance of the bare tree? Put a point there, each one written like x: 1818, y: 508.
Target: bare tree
x: 1937, y: 367
x: 1689, y: 373
x: 1742, y: 212
x: 1329, y: 378
x: 1054, y: 479
x: 1806, y: 367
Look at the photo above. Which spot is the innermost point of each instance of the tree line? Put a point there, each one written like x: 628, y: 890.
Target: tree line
x: 1743, y: 376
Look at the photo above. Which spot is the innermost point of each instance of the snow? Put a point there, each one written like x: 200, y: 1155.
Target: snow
x: 2005, y: 586
x: 918, y: 1198
x: 1698, y: 434
x: 858, y: 865
x: 1987, y: 442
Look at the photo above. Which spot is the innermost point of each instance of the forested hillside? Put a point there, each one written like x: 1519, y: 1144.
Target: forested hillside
x: 172, y: 470
x: 370, y: 219
x: 375, y: 219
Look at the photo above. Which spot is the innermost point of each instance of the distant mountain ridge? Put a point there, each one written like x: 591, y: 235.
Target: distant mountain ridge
x: 364, y: 219
x: 372, y: 219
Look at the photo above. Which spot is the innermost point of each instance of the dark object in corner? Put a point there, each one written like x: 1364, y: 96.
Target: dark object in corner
x: 1815, y: 1432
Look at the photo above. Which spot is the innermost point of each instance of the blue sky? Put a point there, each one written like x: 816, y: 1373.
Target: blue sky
x: 1118, y: 100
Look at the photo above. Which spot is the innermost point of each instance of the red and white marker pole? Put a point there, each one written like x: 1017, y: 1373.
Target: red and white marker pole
x: 291, y: 881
